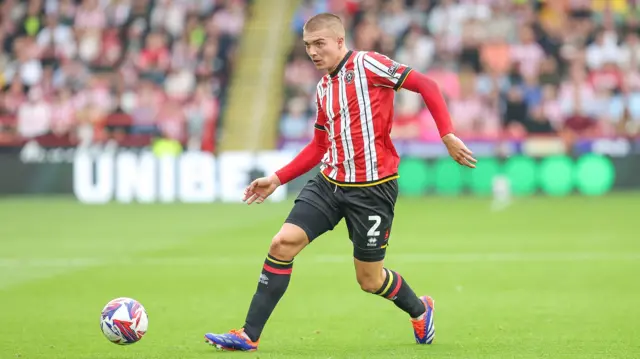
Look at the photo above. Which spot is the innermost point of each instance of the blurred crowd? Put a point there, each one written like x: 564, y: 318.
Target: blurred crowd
x: 90, y: 70
x: 507, y: 68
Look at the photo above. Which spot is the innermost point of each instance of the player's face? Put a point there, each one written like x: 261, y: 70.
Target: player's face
x: 323, y: 47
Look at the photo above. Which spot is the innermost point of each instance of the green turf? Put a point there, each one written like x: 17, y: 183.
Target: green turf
x: 544, y: 278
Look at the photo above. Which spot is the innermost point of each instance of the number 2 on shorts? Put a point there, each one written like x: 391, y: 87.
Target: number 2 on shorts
x: 373, y: 231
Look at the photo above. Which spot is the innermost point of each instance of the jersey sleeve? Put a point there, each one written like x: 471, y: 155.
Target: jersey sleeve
x: 383, y: 71
x: 311, y: 154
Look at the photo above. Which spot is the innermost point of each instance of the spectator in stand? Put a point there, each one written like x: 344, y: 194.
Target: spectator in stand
x: 515, y: 112
x: 418, y: 48
x: 145, y: 113
x: 200, y: 108
x: 532, y: 91
x: 630, y: 52
x: 89, y: 16
x: 576, y: 93
x: 63, y: 121
x: 528, y: 54
x: 121, y: 69
x: 608, y: 77
x: 549, y: 72
x: 153, y: 61
x: 15, y: 96
x: 603, y: 50
x: 468, y: 110
x: 171, y: 120
x: 296, y: 124
x: 625, y: 113
x: 56, y: 40
x: 394, y: 19
x: 551, y: 107
x: 301, y: 75
x: 34, y: 116
x: 27, y: 66
x: 579, y: 105
x: 537, y: 123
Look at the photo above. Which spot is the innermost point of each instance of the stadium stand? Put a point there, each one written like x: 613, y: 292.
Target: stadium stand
x: 88, y: 71
x: 508, y: 69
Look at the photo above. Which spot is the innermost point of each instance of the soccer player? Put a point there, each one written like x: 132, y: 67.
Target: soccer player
x: 357, y: 181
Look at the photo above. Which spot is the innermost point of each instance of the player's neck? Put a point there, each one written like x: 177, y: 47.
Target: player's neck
x: 343, y: 53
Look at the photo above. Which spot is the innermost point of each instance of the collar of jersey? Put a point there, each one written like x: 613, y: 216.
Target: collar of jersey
x: 341, y: 64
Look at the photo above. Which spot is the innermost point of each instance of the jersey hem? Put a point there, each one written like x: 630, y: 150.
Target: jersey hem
x: 360, y: 184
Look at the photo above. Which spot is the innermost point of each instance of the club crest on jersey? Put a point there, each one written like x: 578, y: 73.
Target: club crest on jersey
x: 349, y: 76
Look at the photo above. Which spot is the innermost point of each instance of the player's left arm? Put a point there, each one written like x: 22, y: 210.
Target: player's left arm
x: 383, y: 71
x: 434, y: 100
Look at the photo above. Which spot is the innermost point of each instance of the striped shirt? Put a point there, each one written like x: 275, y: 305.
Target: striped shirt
x: 355, y: 105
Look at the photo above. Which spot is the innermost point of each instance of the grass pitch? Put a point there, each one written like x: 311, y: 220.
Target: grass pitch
x: 544, y: 278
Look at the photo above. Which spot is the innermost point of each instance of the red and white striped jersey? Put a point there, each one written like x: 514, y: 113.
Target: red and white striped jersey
x: 355, y: 105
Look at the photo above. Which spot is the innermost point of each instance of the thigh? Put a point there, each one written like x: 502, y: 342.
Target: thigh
x: 369, y: 213
x: 316, y: 209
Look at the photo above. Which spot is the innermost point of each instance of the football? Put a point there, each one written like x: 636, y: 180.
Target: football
x: 124, y: 321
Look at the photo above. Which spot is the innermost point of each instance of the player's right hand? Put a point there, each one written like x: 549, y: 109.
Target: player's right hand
x: 260, y: 189
x: 459, y: 151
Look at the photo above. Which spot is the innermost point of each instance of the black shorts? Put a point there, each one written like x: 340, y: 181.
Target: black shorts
x: 368, y: 212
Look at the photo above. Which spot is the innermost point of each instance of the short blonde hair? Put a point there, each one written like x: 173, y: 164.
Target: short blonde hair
x: 325, y: 20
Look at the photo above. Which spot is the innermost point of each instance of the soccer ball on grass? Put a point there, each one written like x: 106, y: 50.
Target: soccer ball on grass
x: 124, y: 321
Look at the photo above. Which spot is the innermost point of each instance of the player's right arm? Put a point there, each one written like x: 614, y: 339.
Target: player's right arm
x: 308, y: 158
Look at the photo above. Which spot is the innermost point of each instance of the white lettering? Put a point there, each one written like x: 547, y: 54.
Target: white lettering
x: 167, y: 179
x: 197, y: 177
x: 234, y: 175
x: 87, y: 187
x: 192, y: 177
x: 619, y: 147
x: 135, y: 177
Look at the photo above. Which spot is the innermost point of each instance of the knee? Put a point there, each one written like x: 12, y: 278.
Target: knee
x: 285, y: 246
x: 370, y: 282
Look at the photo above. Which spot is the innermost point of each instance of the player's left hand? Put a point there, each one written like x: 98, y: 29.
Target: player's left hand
x: 459, y: 151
